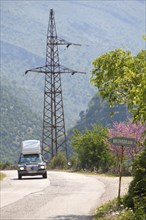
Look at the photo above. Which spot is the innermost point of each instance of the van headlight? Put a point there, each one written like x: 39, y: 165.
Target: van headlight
x: 21, y: 168
x: 42, y: 167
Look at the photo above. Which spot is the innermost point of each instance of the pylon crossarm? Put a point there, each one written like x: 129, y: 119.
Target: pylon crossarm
x: 42, y: 69
x: 64, y: 69
x: 64, y: 42
x: 45, y: 69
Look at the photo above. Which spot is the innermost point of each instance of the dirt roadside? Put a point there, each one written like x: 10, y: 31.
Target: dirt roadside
x: 112, y: 186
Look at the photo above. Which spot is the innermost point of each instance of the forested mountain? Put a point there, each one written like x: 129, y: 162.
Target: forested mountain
x: 99, y: 112
x: 18, y: 123
x: 99, y: 26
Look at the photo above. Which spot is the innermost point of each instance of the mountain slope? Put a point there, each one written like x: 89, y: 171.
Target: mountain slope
x: 17, y: 123
x: 98, y: 111
x: 99, y: 26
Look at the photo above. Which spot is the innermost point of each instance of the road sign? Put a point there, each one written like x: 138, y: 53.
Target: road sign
x: 122, y: 141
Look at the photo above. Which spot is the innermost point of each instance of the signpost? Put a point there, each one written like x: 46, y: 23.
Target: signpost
x: 126, y: 142
x: 122, y: 142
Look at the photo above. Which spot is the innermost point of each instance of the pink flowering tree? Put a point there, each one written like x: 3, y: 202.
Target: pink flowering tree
x: 128, y: 130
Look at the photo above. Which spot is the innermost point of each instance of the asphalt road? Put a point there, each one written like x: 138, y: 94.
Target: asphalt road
x: 62, y: 196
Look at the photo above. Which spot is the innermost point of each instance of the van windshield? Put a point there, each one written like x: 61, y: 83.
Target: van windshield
x: 30, y: 158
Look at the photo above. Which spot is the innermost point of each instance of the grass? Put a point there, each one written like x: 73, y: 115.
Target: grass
x: 2, y: 176
x: 94, y: 173
x: 104, y: 211
x: 111, y: 211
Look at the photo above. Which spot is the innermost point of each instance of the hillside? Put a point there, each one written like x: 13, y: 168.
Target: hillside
x: 99, y: 26
x: 99, y: 112
x: 17, y: 123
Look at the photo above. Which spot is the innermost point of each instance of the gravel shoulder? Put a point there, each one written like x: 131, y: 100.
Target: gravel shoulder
x: 111, y: 187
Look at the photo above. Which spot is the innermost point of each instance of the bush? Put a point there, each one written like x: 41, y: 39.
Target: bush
x: 58, y: 162
x: 7, y: 166
x: 74, y: 162
x: 126, y: 214
x: 136, y: 197
x: 91, y: 149
x: 111, y: 211
x: 2, y: 176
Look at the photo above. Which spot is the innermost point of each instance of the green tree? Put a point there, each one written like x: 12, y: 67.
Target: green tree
x: 121, y: 79
x: 91, y: 149
x: 136, y: 197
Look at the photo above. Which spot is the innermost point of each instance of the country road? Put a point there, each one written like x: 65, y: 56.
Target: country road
x: 62, y: 196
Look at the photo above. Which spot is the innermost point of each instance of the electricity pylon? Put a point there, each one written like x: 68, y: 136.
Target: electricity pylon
x: 53, y: 136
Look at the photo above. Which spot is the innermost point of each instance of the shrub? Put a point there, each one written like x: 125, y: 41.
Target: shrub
x: 2, y: 176
x: 7, y: 166
x: 58, y: 162
x: 91, y: 149
x: 136, y: 197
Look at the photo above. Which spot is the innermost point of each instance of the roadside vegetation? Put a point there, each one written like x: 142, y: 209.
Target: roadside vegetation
x: 110, y: 211
x: 121, y: 79
x: 92, y: 150
x: 133, y: 205
x: 58, y: 162
x: 2, y: 176
x: 7, y: 166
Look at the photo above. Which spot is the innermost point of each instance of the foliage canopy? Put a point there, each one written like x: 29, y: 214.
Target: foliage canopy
x: 121, y: 79
x: 91, y: 149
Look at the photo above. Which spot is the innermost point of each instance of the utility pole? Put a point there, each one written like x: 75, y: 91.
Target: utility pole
x: 53, y: 135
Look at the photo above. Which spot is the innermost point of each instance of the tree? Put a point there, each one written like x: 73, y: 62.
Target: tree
x: 91, y: 149
x: 128, y: 130
x: 121, y: 79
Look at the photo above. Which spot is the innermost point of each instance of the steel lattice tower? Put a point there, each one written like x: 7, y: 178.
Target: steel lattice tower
x: 54, y: 136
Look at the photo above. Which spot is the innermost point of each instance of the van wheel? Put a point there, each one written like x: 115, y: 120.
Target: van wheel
x: 19, y: 176
x: 45, y: 175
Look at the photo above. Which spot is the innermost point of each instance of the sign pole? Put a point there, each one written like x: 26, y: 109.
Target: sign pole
x: 120, y: 174
x: 122, y: 142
